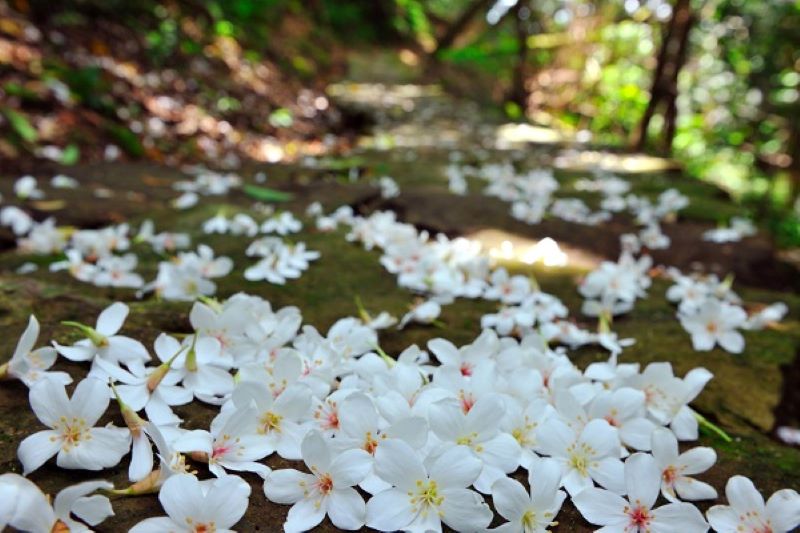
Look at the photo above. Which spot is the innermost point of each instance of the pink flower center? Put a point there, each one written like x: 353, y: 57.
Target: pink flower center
x: 325, y: 484
x: 466, y: 369
x: 639, y: 517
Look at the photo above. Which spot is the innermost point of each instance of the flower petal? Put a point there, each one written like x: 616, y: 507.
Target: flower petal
x: 346, y: 509
x: 226, y: 501
x: 396, y: 463
x: 389, y: 510
x: 350, y: 468
x: 642, y: 479
x: 510, y: 498
x: 601, y: 507
x: 36, y: 449
x: 110, y: 320
x: 465, y: 510
x: 287, y: 486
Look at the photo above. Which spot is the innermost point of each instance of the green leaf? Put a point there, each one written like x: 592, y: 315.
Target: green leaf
x: 21, y: 125
x: 71, y: 155
x: 266, y: 194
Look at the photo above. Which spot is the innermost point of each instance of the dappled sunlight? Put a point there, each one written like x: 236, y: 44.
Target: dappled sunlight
x: 632, y: 163
x: 511, y: 248
x: 509, y: 135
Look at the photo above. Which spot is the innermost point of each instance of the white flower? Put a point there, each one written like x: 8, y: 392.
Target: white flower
x: 44, y: 238
x: 30, y: 365
x: 72, y: 434
x: 328, y: 489
x: 636, y: 513
x: 117, y: 271
x: 479, y: 431
x: 747, y: 512
x: 102, y: 341
x: 193, y: 506
x: 185, y: 200
x: 423, y: 313
x: 767, y: 316
x: 19, y: 221
x: 591, y: 454
x: 233, y: 443
x: 715, y: 322
x: 27, y: 187
x: 280, y: 414
x: 624, y: 408
x: 26, y: 508
x: 667, y: 396
x: 152, y: 389
x: 282, y: 224
x: 426, y: 494
x: 534, y: 511
x: 60, y: 181
x: 676, y: 469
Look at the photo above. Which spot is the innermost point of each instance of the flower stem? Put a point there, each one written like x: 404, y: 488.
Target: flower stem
x: 706, y: 423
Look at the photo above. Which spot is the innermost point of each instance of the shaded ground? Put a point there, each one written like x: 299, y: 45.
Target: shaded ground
x: 412, y: 145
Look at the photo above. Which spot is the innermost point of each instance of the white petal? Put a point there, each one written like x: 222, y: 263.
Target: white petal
x: 141, y: 458
x: 609, y: 473
x: 389, y: 510
x: 510, y: 498
x: 692, y: 489
x: 783, y: 508
x: 28, y: 339
x: 601, y: 507
x: 304, y: 515
x: 697, y: 460
x: 743, y: 495
x: 732, y: 341
x: 447, y: 420
x: 544, y: 479
x: 465, y: 510
x: 397, y: 464
x: 182, y: 497
x: 105, y: 449
x: 226, y: 501
x: 346, y: 509
x: 723, y: 519
x: 93, y: 509
x: 665, y: 446
x: 74, y: 499
x: 457, y: 468
x: 642, y: 479
x: 503, y: 452
x: 110, y: 320
x: 287, y: 486
x: 49, y: 401
x: 160, y: 524
x: 316, y: 453
x: 350, y: 468
x: 90, y: 400
x: 36, y: 449
x: 683, y: 517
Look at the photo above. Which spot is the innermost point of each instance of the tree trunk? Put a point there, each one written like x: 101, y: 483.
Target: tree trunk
x: 519, y: 92
x: 460, y: 24
x: 671, y: 58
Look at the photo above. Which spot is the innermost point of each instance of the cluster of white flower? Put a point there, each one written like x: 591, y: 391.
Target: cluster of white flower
x: 278, y: 261
x: 243, y: 224
x: 426, y: 441
x: 189, y: 275
x: 738, y: 229
x: 712, y: 314
x: 389, y: 187
x: 612, y: 288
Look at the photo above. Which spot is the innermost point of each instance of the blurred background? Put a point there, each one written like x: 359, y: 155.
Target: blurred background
x: 712, y: 84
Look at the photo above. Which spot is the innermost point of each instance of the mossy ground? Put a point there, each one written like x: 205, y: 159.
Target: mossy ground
x: 741, y: 398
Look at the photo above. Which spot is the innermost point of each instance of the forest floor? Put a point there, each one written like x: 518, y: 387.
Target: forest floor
x: 413, y: 132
